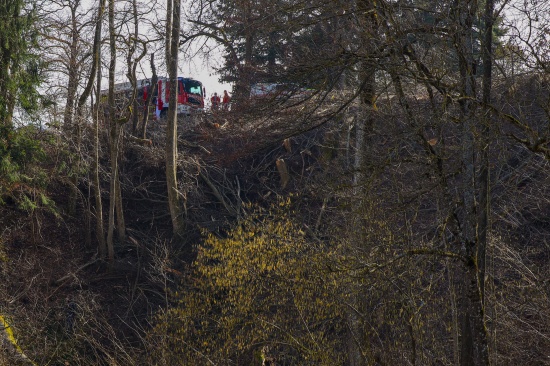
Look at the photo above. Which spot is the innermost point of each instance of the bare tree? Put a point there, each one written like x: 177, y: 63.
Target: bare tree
x: 100, y: 231
x: 114, y: 144
x: 175, y: 200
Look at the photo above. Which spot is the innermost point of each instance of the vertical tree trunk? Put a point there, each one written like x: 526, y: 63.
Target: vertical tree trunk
x: 95, y: 72
x: 120, y: 222
x: 248, y: 51
x: 100, y: 231
x: 474, y: 343
x: 245, y: 77
x: 69, y: 122
x: 132, y: 106
x: 11, y: 108
x: 483, y: 181
x: 152, y: 91
x: 364, y: 124
x: 174, y: 198
x: 72, y: 83
x: 114, y: 135
x: 169, y: 21
x: 367, y: 79
x: 7, y: 53
x: 358, y: 354
x: 132, y: 68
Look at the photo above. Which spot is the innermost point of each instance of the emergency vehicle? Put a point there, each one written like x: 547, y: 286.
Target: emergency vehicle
x: 190, y: 94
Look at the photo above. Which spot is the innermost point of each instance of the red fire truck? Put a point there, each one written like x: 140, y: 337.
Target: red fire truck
x: 190, y: 94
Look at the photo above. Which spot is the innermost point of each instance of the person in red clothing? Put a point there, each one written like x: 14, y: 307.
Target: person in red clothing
x: 215, y: 100
x: 160, y: 106
x: 225, y: 101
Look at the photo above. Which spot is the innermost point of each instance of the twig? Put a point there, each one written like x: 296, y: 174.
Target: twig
x: 218, y: 195
x: 72, y: 274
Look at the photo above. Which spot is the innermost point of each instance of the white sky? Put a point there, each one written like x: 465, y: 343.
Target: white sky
x: 202, y: 70
x: 199, y: 68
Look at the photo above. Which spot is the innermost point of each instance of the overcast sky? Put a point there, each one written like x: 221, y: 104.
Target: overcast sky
x: 199, y: 67
x: 203, y: 71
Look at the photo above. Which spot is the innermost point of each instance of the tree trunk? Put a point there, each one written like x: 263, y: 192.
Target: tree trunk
x: 245, y: 77
x: 169, y: 21
x: 474, y: 343
x: 70, y: 124
x: 174, y: 198
x: 134, y: 103
x: 358, y: 354
x: 72, y: 83
x: 114, y: 136
x: 120, y: 222
x: 152, y: 91
x: 100, y: 231
x: 95, y: 73
x: 483, y: 180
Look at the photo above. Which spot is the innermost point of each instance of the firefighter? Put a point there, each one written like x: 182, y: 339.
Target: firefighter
x: 215, y: 100
x: 160, y: 106
x: 225, y: 101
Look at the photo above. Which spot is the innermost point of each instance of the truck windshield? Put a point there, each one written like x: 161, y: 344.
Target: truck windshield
x: 193, y: 87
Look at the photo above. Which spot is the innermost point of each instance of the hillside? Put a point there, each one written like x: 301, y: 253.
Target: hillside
x: 371, y: 191
x: 85, y: 310
x: 88, y: 311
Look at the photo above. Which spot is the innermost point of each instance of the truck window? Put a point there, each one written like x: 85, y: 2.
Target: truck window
x: 193, y: 87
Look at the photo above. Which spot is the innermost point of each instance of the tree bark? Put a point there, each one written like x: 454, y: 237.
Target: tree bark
x: 245, y: 77
x: 474, y: 343
x: 114, y: 136
x: 72, y: 83
x: 100, y: 230
x: 152, y: 91
x: 70, y: 123
x: 484, y: 179
x: 174, y: 198
x: 364, y: 123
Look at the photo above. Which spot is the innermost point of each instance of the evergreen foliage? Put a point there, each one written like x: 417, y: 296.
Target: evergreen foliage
x: 23, y: 177
x: 20, y: 76
x: 20, y: 65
